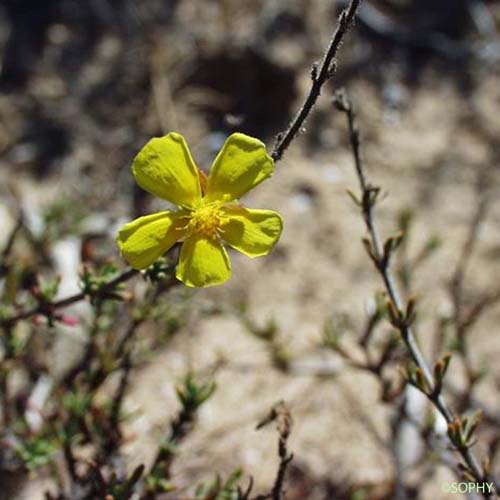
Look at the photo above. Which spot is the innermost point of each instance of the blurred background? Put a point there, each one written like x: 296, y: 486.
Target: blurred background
x: 83, y: 85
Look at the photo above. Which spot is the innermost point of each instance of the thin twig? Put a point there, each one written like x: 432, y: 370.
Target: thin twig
x: 281, y: 414
x: 114, y: 438
x: 319, y: 75
x: 120, y: 393
x: 380, y: 254
x: 72, y: 299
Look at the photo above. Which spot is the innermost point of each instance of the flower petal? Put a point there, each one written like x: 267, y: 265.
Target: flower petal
x: 203, y: 262
x: 241, y: 164
x: 165, y: 168
x: 252, y: 232
x: 145, y: 239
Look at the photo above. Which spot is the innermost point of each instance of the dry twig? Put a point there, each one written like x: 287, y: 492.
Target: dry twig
x: 401, y: 314
x: 319, y: 76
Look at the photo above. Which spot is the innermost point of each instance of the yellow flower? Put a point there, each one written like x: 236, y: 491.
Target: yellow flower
x: 208, y: 211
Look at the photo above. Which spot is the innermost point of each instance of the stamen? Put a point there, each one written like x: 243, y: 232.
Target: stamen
x: 207, y: 220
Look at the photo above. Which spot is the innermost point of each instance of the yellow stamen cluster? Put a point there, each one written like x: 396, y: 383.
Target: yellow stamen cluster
x: 206, y: 220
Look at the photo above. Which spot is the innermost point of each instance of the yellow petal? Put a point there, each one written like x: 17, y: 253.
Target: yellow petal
x: 241, y: 164
x: 252, y: 232
x: 145, y: 239
x: 165, y: 168
x: 203, y: 262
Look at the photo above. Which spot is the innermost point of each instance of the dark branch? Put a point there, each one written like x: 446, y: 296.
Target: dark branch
x: 319, y: 75
x: 281, y: 414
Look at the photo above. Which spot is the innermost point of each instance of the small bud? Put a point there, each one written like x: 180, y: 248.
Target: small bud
x: 410, y: 311
x: 464, y: 423
x: 420, y: 379
x: 453, y: 433
x: 67, y: 320
x: 314, y: 72
x: 440, y: 369
x: 395, y: 316
x: 471, y: 428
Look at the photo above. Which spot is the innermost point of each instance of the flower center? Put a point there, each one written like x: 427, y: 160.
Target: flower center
x: 206, y: 220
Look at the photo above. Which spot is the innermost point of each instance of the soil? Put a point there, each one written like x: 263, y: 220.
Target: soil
x: 72, y: 119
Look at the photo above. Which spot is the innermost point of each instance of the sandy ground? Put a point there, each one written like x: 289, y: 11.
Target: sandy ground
x: 427, y: 153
